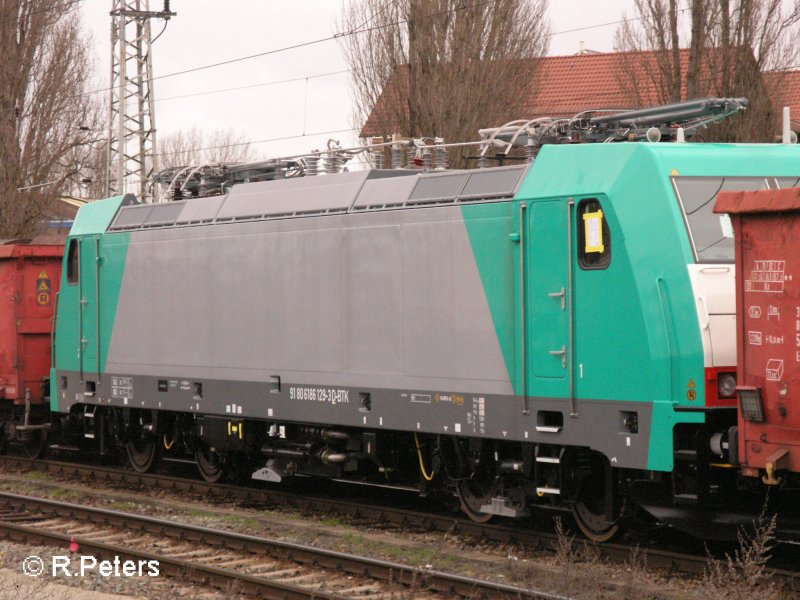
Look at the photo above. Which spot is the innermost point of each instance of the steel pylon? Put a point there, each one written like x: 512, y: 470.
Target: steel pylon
x: 131, y: 159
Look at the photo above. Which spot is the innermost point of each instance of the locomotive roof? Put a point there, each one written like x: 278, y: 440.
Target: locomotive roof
x: 558, y: 171
x: 564, y: 170
x: 341, y: 193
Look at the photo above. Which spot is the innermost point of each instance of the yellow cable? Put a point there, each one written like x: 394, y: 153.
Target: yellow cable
x: 421, y: 462
x: 170, y: 445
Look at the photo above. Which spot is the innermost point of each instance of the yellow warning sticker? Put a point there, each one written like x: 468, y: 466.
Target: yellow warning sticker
x: 674, y: 173
x: 691, y: 385
x: 43, y: 289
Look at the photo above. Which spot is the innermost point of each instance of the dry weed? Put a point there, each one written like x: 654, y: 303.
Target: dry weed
x: 743, y: 575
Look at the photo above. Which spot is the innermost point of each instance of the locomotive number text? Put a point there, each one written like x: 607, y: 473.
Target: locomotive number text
x: 313, y: 394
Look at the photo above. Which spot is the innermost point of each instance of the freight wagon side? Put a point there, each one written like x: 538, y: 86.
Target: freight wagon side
x: 767, y: 225
x: 30, y: 274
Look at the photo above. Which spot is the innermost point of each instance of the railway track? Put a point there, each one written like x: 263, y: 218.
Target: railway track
x: 246, y: 564
x: 369, y: 513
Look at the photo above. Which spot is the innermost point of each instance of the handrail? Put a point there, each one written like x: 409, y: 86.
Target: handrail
x: 522, y: 308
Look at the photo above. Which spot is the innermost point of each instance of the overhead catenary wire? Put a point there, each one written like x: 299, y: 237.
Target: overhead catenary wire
x: 337, y: 36
x: 358, y: 30
x: 247, y: 143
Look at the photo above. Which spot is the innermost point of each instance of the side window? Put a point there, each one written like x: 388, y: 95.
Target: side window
x: 594, y: 236
x: 73, y: 263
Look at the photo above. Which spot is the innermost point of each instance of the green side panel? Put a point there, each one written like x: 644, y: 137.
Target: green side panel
x: 76, y: 320
x: 490, y: 228
x: 636, y: 332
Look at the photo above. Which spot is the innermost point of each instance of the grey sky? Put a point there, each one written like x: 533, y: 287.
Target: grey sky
x: 209, y: 31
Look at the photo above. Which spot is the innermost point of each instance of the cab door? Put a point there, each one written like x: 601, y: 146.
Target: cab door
x: 548, y: 298
x: 89, y: 317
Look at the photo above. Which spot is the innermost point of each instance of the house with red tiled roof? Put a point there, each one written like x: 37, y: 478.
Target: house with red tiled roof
x: 567, y: 85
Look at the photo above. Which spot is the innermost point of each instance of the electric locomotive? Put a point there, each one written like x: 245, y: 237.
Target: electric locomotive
x: 558, y: 334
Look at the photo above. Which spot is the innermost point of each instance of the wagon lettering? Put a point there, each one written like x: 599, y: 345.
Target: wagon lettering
x: 313, y: 394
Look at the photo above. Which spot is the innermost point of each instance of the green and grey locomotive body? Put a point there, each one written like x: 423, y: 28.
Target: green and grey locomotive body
x: 551, y: 334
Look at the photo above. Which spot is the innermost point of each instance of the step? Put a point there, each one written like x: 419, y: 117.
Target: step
x: 685, y: 498
x: 685, y: 454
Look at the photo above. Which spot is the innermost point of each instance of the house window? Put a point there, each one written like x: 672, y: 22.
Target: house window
x: 594, y: 236
x: 73, y: 263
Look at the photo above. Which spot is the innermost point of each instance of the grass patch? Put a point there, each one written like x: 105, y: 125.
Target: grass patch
x: 332, y: 522
x: 19, y: 487
x: 241, y: 521
x: 122, y: 505
x: 65, y: 493
x: 354, y: 541
x: 37, y: 476
x: 289, y: 516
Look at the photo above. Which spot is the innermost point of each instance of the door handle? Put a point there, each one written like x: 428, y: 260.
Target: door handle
x: 705, y: 322
x: 563, y: 295
x: 563, y: 353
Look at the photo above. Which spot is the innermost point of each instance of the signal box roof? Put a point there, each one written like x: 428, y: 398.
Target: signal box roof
x: 761, y: 201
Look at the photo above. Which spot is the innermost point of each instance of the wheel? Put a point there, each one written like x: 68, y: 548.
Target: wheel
x: 34, y: 444
x: 589, y: 506
x: 473, y: 494
x: 143, y: 455
x: 210, y: 464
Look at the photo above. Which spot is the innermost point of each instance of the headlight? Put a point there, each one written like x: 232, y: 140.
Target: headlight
x: 726, y: 385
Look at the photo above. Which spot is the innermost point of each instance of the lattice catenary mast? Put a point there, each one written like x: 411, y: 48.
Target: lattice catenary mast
x: 131, y: 159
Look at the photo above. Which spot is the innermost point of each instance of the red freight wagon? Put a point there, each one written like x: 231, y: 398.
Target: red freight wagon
x: 767, y: 232
x: 29, y: 279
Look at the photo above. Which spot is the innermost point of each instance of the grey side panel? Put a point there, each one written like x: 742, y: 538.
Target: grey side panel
x: 200, y: 210
x: 438, y: 187
x: 132, y: 216
x: 305, y: 194
x: 389, y: 299
x: 492, y: 183
x: 440, y: 296
x: 373, y: 321
x: 164, y: 214
x: 382, y: 193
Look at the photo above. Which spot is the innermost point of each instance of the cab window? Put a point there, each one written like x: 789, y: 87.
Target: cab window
x: 73, y: 263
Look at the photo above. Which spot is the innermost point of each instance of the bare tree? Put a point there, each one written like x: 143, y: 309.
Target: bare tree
x: 195, y: 147
x: 735, y: 48
x: 442, y: 68
x: 47, y: 120
x: 88, y: 180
